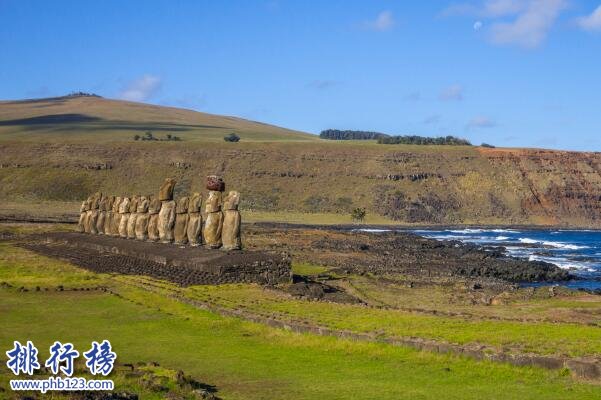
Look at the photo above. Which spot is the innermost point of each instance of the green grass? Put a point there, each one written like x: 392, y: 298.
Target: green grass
x: 249, y: 361
x: 537, y: 337
x: 304, y: 268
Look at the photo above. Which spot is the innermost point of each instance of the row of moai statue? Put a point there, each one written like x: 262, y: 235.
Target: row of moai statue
x: 161, y: 218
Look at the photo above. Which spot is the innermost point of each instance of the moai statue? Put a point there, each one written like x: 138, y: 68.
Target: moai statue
x: 195, y: 220
x: 86, y: 225
x: 133, y: 214
x: 124, y: 213
x: 214, y: 222
x: 101, y: 215
x: 116, y: 216
x: 142, y: 219
x: 167, y: 213
x: 230, y: 233
x: 108, y: 220
x: 154, y: 207
x: 81, y: 225
x: 180, y: 230
x: 94, y: 213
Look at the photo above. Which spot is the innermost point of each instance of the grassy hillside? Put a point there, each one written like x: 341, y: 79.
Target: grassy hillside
x: 283, y: 174
x: 95, y: 119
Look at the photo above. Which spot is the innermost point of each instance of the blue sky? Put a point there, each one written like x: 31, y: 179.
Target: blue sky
x: 507, y: 72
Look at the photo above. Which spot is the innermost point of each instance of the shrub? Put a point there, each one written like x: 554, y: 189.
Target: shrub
x: 336, y: 134
x: 358, y: 214
x: 232, y: 137
x: 490, y: 146
x: 422, y: 140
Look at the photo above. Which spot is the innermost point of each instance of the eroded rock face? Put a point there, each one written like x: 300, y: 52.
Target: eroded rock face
x: 230, y: 234
x: 195, y: 220
x: 124, y: 215
x: 166, y: 190
x: 133, y: 214
x: 180, y: 230
x: 154, y: 207
x: 166, y: 221
x: 142, y: 219
x: 214, y: 222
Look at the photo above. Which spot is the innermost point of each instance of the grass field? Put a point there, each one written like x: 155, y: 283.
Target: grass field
x: 249, y: 361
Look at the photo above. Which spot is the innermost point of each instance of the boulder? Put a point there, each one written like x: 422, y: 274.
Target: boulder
x: 166, y: 221
x: 230, y: 233
x: 180, y: 230
x: 142, y: 219
x: 166, y: 190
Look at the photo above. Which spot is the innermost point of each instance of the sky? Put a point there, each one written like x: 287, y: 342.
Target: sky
x: 512, y: 73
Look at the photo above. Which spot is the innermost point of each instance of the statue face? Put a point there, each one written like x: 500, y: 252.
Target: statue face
x: 231, y: 201
x: 213, y: 202
x: 195, y: 203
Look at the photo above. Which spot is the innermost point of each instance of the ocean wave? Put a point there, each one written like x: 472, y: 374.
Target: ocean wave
x: 557, y: 245
x: 561, y: 263
x: 502, y: 238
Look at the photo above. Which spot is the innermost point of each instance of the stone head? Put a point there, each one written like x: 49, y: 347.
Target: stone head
x: 213, y: 203
x: 231, y: 201
x: 195, y: 203
x: 166, y: 190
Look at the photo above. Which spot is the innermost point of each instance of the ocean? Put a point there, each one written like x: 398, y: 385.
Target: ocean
x: 578, y: 251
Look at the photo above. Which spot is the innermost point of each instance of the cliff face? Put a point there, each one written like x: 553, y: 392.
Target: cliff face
x: 410, y: 184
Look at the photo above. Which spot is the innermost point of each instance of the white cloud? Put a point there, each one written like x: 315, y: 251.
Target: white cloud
x: 477, y: 25
x: 481, y: 122
x: 141, y: 89
x: 531, y: 26
x: 501, y: 8
x: 532, y: 19
x: 383, y: 22
x: 591, y: 22
x: 453, y: 92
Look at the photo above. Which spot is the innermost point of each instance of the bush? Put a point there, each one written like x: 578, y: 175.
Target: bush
x: 136, y: 137
x: 232, y: 137
x: 490, y: 146
x: 335, y: 134
x: 358, y: 214
x: 422, y: 140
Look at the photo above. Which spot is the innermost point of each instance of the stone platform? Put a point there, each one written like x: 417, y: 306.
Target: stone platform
x: 183, y: 265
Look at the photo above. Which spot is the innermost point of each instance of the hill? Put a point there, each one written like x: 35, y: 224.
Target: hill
x: 283, y: 174
x: 92, y: 118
